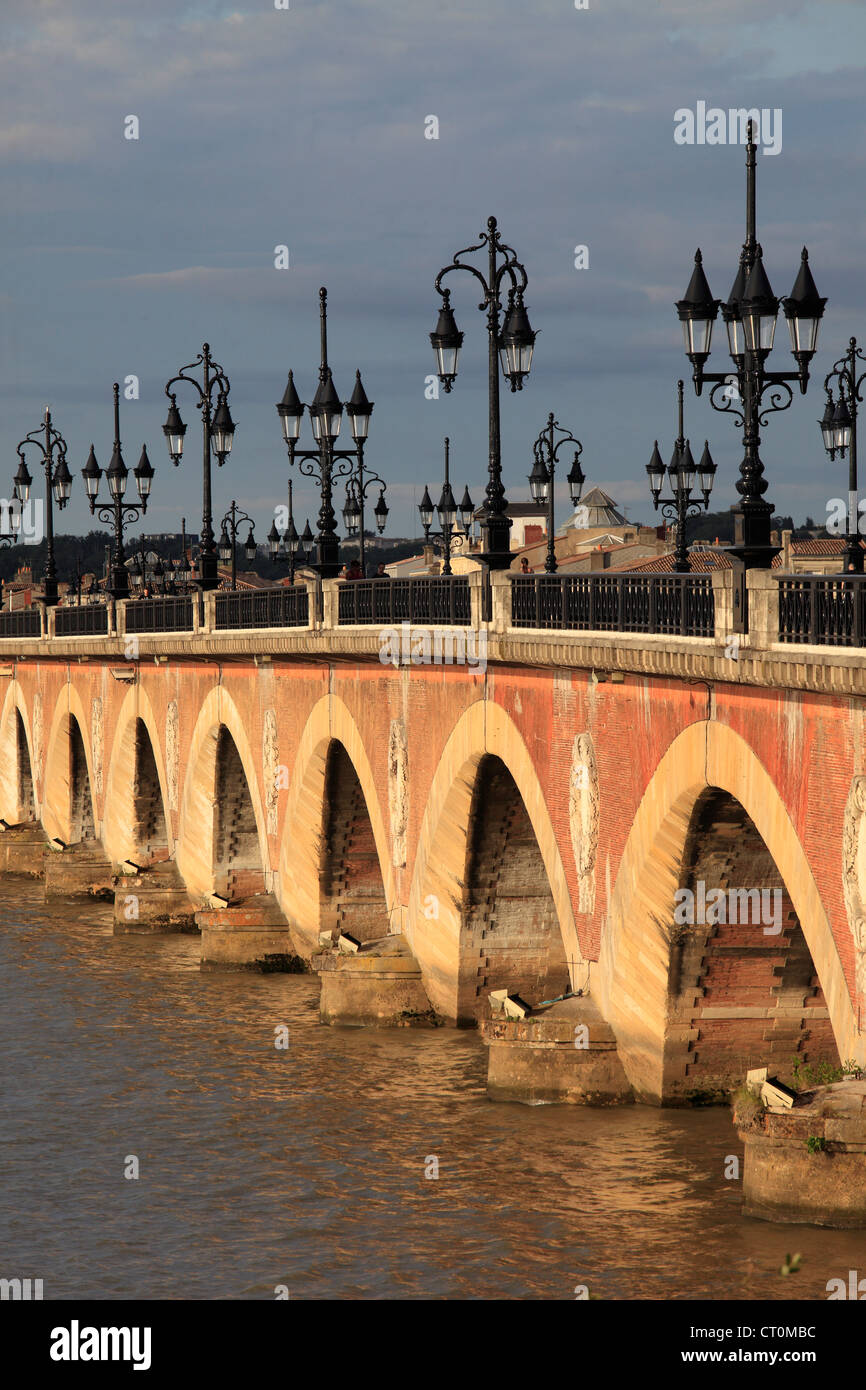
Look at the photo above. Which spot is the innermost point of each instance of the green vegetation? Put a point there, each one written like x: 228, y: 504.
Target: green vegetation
x: 816, y: 1144
x: 808, y: 1075
x: 747, y: 1108
x: 791, y: 1265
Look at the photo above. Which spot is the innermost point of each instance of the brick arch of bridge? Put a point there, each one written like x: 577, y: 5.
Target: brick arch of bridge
x: 329, y: 721
x: 631, y: 982
x: 119, y: 811
x: 12, y: 808
x: 194, y: 849
x: 435, y: 917
x: 57, y: 801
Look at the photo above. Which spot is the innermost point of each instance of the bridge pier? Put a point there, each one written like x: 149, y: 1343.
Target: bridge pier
x: 784, y: 1179
x: 380, y: 986
x: 153, y: 899
x: 248, y: 935
x: 22, y: 849
x: 79, y: 870
x: 565, y: 1054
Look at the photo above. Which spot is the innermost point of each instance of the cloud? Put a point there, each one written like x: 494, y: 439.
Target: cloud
x: 306, y: 127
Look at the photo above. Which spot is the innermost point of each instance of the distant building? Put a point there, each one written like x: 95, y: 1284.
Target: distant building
x: 18, y: 592
x: 170, y: 538
x: 595, y: 511
x: 596, y: 536
x: 246, y: 579
x: 525, y: 516
x: 817, y: 555
x: 700, y: 562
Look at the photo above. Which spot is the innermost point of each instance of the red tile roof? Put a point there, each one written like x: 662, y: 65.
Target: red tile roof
x: 824, y: 547
x: 700, y: 562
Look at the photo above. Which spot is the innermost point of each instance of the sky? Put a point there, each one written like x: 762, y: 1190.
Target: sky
x: 305, y: 127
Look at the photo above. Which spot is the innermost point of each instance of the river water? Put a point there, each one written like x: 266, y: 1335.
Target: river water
x: 305, y: 1167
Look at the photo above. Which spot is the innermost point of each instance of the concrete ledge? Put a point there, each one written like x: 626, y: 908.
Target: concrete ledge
x: 380, y: 987
x: 824, y: 670
x: 79, y: 870
x: 253, y: 935
x: 153, y: 901
x: 22, y: 850
x: 783, y: 1181
x: 542, y: 1059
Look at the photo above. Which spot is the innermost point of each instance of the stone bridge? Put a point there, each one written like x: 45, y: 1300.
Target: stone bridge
x: 522, y: 822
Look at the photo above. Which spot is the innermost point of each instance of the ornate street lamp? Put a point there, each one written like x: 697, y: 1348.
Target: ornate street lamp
x: 359, y: 410
x: 543, y: 476
x: 228, y: 541
x: 446, y: 509
x: 839, y: 432
x: 750, y: 318
x: 284, y: 548
x: 58, y: 486
x: 682, y: 473
x: 512, y: 346
x: 326, y: 412
x: 217, y: 436
x: 116, y: 510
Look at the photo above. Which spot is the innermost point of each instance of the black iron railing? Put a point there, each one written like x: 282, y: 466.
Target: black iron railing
x: 420, y: 599
x: 823, y: 610
x: 283, y: 607
x: 91, y: 620
x: 24, y: 622
x: 679, y: 605
x: 170, y: 613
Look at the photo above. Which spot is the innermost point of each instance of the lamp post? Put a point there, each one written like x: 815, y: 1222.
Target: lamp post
x: 184, y: 568
x: 353, y: 509
x: 681, y: 472
x: 542, y: 478
x: 58, y: 486
x: 446, y: 509
x: 217, y: 437
x: 283, y: 548
x: 228, y: 541
x: 117, y: 510
x: 839, y: 432
x: 325, y: 463
x: 513, y: 346
x: 750, y: 318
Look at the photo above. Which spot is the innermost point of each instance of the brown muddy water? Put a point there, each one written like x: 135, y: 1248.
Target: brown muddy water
x: 306, y: 1167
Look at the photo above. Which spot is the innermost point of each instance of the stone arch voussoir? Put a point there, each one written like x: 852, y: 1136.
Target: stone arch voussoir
x: 301, y: 851
x: 435, y: 902
x: 631, y: 983
x: 12, y: 810
x: 57, y: 809
x: 194, y: 849
x: 119, y: 821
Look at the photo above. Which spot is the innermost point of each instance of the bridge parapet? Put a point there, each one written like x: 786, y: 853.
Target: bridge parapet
x: 316, y: 620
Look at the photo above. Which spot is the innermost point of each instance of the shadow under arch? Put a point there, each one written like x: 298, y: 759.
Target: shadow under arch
x: 18, y: 803
x: 437, y: 899
x: 632, y: 980
x: 219, y: 734
x: 305, y: 827
x: 69, y: 810
x: 136, y: 822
